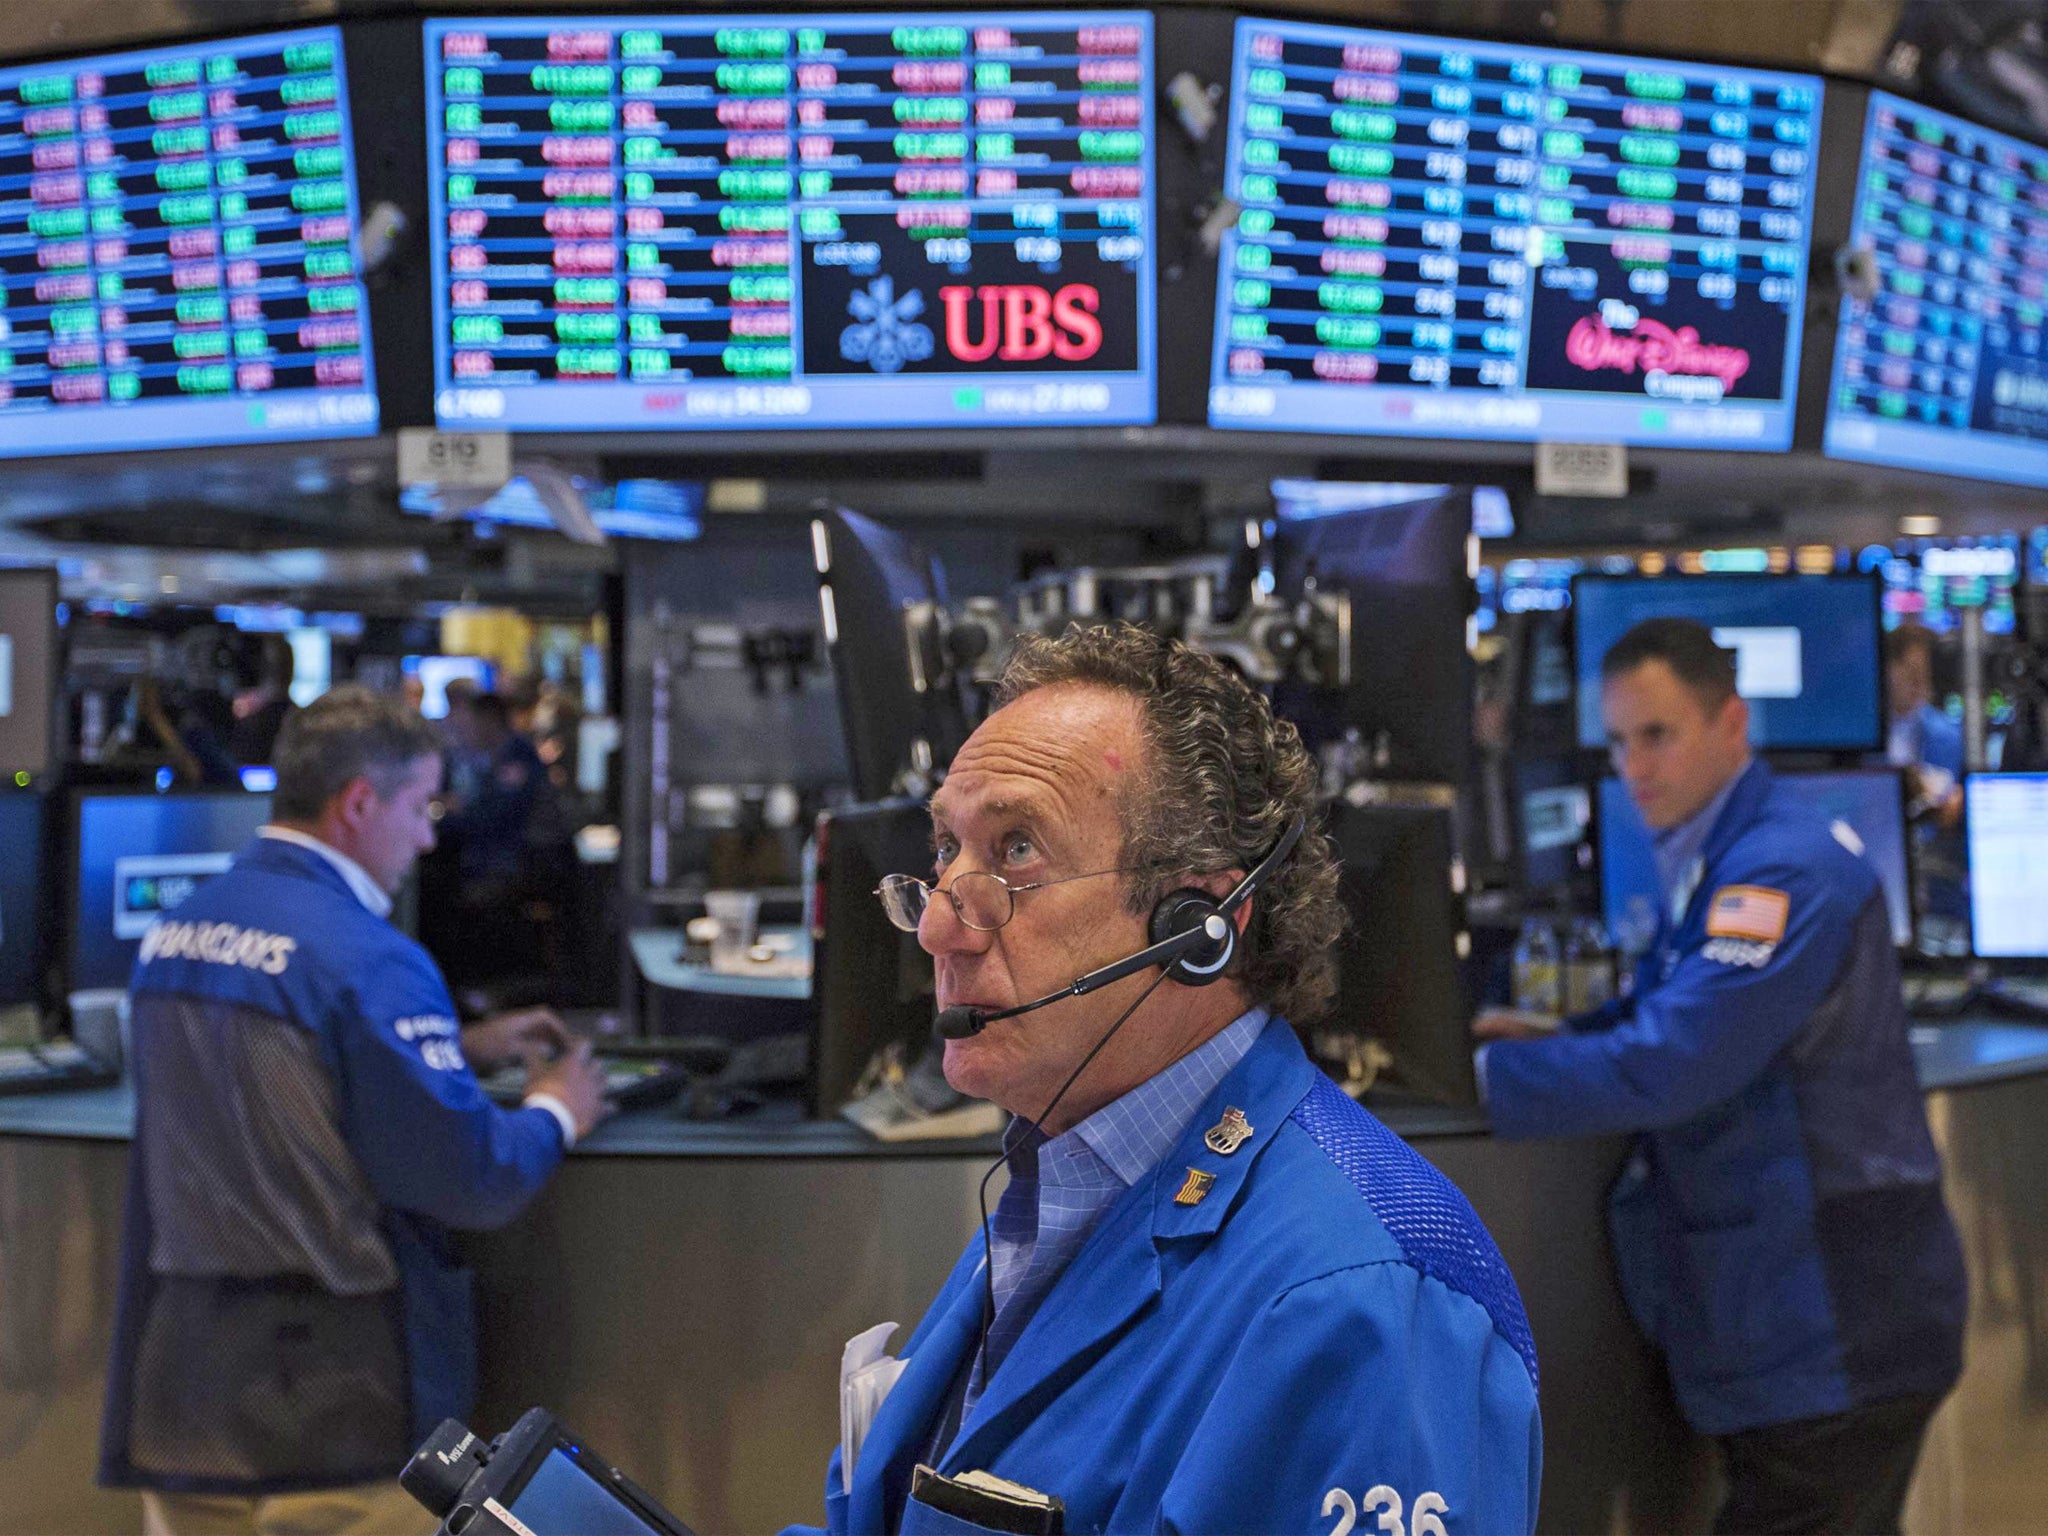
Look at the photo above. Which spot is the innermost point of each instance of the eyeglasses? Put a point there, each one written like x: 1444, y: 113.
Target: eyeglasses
x: 982, y: 901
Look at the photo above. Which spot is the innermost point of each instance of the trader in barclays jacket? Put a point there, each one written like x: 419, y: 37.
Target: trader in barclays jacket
x: 1216, y: 1295
x: 1779, y: 1229
x: 293, y: 1320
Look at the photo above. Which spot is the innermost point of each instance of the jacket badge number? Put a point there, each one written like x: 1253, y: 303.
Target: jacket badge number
x: 1229, y: 1133
x: 1198, y: 1184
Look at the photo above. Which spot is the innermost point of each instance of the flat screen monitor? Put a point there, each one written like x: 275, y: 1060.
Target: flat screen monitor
x: 740, y: 222
x: 1806, y: 649
x: 28, y: 672
x: 1404, y: 571
x: 900, y: 710
x: 140, y: 857
x: 179, y: 249
x: 874, y: 985
x: 1865, y: 806
x: 1455, y: 239
x: 1929, y: 582
x: 1945, y: 368
x: 666, y: 511
x: 25, y: 904
x: 1552, y: 812
x: 435, y: 673
x: 1400, y: 963
x: 2006, y: 821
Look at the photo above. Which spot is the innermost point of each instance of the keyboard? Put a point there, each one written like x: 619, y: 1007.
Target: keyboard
x: 629, y: 1084
x: 2026, y: 995
x: 50, y: 1068
x: 1939, y: 995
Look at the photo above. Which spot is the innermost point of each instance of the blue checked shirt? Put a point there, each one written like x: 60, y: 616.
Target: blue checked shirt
x: 1055, y: 1199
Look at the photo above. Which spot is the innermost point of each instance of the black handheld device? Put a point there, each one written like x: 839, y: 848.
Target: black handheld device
x: 536, y: 1479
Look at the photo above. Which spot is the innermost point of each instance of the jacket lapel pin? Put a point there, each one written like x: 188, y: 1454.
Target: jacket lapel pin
x: 1197, y: 1185
x: 1229, y: 1133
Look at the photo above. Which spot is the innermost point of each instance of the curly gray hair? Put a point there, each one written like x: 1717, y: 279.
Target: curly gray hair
x: 1226, y: 778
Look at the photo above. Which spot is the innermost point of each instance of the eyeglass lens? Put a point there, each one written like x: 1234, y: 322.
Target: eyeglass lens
x: 982, y: 900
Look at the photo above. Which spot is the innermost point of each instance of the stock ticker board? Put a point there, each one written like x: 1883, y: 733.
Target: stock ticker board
x: 1945, y: 369
x: 1471, y: 240
x: 748, y: 222
x: 177, y: 244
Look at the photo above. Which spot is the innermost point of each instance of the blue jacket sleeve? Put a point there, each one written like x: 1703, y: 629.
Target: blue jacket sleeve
x: 1695, y: 1041
x: 1367, y: 1395
x: 1615, y: 1010
x: 427, y: 1136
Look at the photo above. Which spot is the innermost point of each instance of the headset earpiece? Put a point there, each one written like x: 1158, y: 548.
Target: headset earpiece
x: 1184, y: 911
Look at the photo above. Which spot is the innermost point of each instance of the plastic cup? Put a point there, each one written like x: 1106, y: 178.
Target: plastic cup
x: 739, y: 916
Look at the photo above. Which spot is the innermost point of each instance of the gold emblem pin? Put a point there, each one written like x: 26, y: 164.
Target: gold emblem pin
x: 1198, y: 1184
x: 1229, y: 1133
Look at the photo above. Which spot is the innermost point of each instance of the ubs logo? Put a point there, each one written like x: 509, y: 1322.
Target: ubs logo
x: 1022, y: 323
x: 885, y: 334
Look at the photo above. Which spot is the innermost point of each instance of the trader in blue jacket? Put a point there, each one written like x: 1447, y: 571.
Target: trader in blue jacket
x: 1216, y: 1295
x: 1779, y: 1229
x: 293, y: 1319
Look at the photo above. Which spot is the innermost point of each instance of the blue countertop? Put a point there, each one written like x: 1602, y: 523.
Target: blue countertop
x: 1965, y: 1053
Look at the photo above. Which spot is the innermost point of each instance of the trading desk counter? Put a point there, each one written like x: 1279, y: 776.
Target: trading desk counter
x: 681, y: 1291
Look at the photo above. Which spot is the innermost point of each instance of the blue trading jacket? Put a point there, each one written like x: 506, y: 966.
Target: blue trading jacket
x: 1779, y: 1230
x: 1328, y: 1340
x: 279, y: 943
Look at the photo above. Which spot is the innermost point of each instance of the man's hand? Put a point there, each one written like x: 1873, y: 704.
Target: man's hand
x: 1513, y: 1024
x: 578, y: 1081
x: 533, y: 1035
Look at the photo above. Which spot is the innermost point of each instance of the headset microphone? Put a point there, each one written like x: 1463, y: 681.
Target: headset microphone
x: 1193, y: 938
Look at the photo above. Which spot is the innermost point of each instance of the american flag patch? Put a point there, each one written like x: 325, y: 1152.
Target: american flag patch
x: 1753, y: 912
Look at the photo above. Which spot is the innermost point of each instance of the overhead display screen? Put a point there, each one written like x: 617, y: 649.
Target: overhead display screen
x: 1945, y: 369
x: 748, y: 222
x: 1477, y: 240
x: 177, y: 241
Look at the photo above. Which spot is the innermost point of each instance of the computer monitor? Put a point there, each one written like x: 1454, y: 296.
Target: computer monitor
x: 1938, y: 366
x: 1806, y: 649
x: 435, y: 673
x: 185, y: 248
x: 899, y: 710
x: 25, y: 903
x: 140, y: 857
x: 28, y: 671
x: 1552, y: 810
x: 724, y: 221
x: 1622, y: 258
x: 1400, y: 972
x: 1865, y: 806
x: 873, y: 984
x: 2006, y: 821
x: 1405, y: 569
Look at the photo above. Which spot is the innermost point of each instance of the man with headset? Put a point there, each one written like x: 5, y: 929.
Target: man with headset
x: 1216, y: 1293
x: 1780, y: 1229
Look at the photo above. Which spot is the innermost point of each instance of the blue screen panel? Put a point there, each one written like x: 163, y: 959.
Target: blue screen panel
x: 1864, y: 805
x: 25, y: 906
x: 178, y: 249
x: 1456, y: 239
x: 1806, y: 649
x: 2006, y: 815
x: 139, y: 857
x: 757, y: 221
x: 1946, y: 368
x: 561, y: 1496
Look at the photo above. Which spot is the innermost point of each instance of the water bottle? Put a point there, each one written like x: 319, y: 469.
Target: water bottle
x: 1538, y: 986
x: 1588, y: 967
